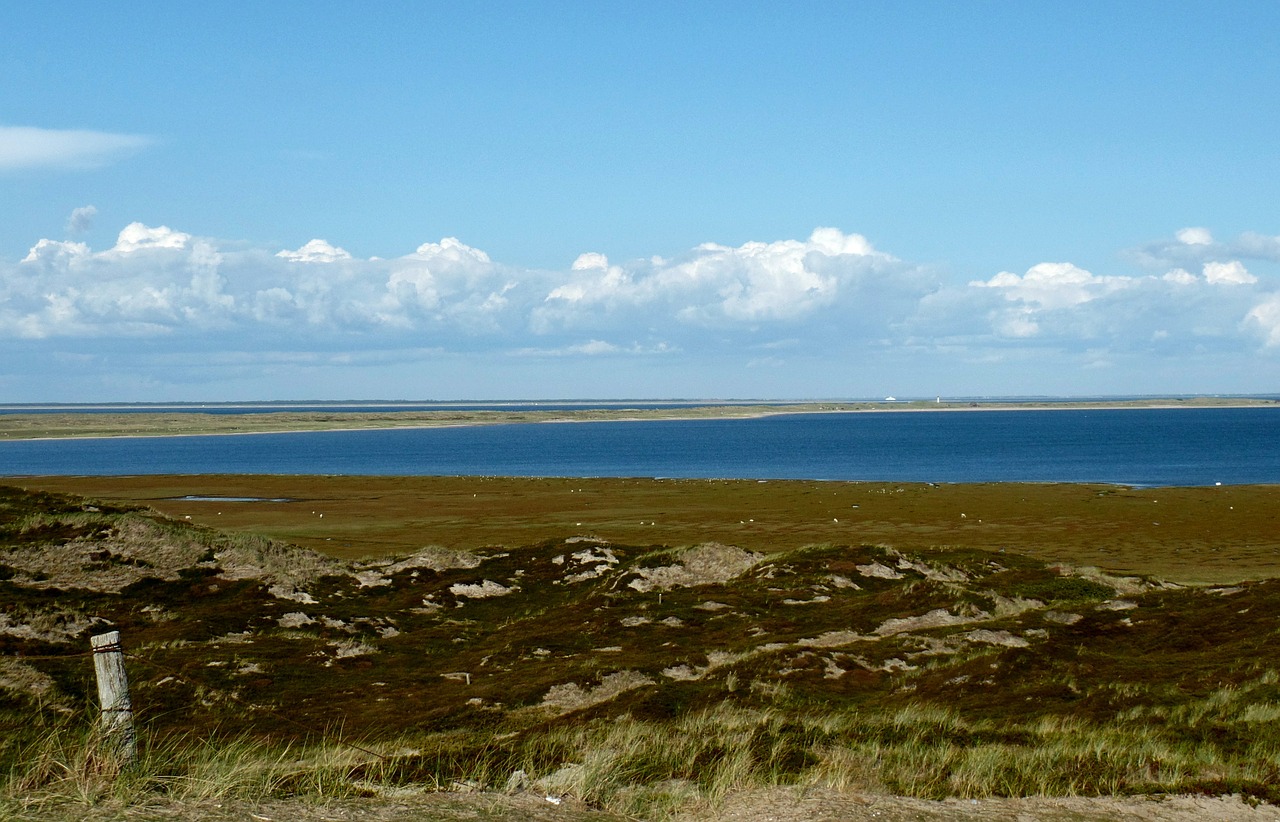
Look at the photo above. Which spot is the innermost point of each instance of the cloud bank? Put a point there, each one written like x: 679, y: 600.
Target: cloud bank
x: 157, y: 280
x: 830, y: 298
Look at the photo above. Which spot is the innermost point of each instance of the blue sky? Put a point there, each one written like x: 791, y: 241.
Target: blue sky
x: 820, y: 200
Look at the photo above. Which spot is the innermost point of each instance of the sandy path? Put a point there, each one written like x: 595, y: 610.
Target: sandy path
x: 820, y: 806
x: 777, y: 805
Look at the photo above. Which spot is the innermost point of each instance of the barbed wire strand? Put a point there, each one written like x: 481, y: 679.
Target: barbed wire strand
x: 20, y: 657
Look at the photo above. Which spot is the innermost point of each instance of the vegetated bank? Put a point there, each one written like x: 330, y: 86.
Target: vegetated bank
x: 640, y: 679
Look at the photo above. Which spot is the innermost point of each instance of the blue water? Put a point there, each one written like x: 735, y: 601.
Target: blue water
x: 1199, y: 446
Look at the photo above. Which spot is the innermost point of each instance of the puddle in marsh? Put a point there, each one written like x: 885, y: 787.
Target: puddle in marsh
x: 199, y: 498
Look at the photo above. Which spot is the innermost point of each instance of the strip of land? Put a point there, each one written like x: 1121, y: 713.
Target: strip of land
x: 17, y: 426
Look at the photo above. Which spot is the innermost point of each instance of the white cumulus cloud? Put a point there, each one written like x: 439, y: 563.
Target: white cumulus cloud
x: 1053, y: 285
x: 23, y: 147
x: 1228, y: 273
x: 316, y: 251
x: 713, y: 284
x: 453, y: 253
x: 1063, y: 302
x: 55, y: 252
x: 590, y: 260
x: 154, y: 280
x: 138, y: 237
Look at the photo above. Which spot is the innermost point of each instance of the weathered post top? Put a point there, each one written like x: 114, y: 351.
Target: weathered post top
x: 102, y: 643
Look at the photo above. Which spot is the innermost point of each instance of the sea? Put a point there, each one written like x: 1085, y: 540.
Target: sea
x: 1124, y: 446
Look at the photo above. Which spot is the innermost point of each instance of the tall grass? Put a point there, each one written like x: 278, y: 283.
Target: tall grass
x: 66, y: 765
x: 1226, y: 742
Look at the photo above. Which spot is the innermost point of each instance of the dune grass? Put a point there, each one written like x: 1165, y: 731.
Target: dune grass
x: 1226, y: 743
x: 67, y: 764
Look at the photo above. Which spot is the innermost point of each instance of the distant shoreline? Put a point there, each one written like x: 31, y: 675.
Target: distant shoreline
x: 169, y: 423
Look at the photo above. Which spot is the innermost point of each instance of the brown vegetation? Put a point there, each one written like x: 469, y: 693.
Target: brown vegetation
x: 642, y: 677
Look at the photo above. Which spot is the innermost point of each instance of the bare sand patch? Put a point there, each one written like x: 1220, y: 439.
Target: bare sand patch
x: 706, y: 564
x: 820, y: 805
x: 571, y: 696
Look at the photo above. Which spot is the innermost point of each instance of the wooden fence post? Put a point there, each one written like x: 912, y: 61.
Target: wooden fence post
x: 113, y: 696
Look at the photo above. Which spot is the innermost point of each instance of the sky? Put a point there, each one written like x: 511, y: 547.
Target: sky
x: 426, y: 201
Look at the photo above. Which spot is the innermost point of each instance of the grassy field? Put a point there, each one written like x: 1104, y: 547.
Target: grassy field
x: 1195, y: 535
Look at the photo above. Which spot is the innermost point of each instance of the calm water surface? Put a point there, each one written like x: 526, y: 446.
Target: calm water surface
x: 1193, y: 446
